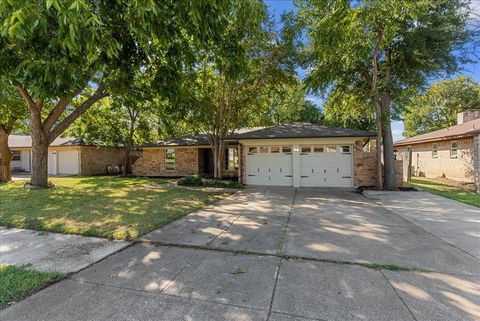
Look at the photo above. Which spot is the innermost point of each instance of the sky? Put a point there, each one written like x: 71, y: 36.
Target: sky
x: 277, y: 7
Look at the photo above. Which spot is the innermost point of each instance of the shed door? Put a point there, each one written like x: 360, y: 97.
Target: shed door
x: 68, y: 162
x: 52, y: 163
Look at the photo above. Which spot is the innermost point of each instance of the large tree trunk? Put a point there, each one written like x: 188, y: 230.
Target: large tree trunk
x: 126, y: 170
x: 388, y: 150
x: 44, y: 132
x: 218, y: 157
x: 40, y: 145
x: 6, y: 157
x: 379, y: 169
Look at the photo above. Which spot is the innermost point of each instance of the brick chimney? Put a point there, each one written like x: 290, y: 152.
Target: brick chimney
x: 467, y: 116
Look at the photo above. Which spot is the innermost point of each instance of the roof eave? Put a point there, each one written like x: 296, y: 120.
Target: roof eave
x: 436, y: 139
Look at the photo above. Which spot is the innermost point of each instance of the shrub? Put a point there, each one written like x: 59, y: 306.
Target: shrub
x: 190, y: 181
x: 208, y: 182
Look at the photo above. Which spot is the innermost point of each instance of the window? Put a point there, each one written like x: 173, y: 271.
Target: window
x: 275, y: 149
x: 263, y: 149
x: 252, y: 150
x: 306, y: 149
x: 318, y: 149
x: 345, y: 149
x: 331, y: 148
x: 286, y: 149
x: 434, y: 150
x: 232, y: 159
x: 170, y: 159
x: 453, y: 149
x: 16, y: 155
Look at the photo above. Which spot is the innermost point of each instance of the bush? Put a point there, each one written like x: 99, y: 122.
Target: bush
x: 191, y: 181
x: 208, y: 182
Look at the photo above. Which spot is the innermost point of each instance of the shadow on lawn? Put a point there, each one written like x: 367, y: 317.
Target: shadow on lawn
x: 120, y: 208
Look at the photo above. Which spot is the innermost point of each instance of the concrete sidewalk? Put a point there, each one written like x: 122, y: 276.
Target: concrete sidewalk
x: 53, y: 251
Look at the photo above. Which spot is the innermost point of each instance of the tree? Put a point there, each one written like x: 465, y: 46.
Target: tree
x: 12, y: 114
x: 381, y: 50
x: 116, y: 122
x: 54, y: 51
x: 439, y: 105
x: 227, y: 89
x: 344, y: 109
x: 288, y: 103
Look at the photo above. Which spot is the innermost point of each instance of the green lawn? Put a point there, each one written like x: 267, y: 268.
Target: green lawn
x: 110, y: 207
x: 453, y: 192
x: 18, y: 282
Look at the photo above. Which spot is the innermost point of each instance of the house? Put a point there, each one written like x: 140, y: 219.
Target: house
x: 66, y: 156
x: 451, y: 152
x: 300, y: 154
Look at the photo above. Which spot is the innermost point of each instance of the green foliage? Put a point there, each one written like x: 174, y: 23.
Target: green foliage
x: 191, y: 181
x: 344, y: 37
x: 19, y: 282
x: 13, y: 111
x: 197, y: 180
x: 287, y: 103
x: 344, y: 109
x: 439, y: 105
x: 54, y: 47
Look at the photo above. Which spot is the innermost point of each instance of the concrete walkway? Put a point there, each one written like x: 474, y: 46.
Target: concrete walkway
x: 53, y: 251
x: 274, y: 254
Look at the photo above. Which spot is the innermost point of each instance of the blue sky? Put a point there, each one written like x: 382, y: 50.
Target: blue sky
x: 277, y: 7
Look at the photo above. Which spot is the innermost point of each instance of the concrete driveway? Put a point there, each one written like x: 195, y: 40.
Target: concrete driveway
x: 279, y: 254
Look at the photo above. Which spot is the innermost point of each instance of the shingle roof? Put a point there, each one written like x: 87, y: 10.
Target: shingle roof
x: 302, y: 130
x: 467, y: 129
x: 193, y: 140
x: 190, y: 140
x: 24, y: 141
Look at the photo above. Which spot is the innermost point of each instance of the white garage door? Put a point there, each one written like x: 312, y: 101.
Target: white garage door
x: 326, y: 166
x: 270, y: 165
x: 68, y: 162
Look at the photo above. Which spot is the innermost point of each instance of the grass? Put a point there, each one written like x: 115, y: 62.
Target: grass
x: 391, y: 267
x: 240, y: 270
x: 19, y: 282
x: 456, y: 193
x: 114, y: 208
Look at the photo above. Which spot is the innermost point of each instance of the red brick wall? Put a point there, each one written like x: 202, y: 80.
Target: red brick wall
x: 94, y: 160
x: 365, y: 167
x: 152, y: 163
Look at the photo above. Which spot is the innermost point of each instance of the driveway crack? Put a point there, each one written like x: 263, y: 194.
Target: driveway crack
x: 398, y: 295
x: 282, y: 241
x: 277, y: 273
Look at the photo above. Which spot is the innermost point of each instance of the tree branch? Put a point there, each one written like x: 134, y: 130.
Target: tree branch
x: 28, y: 99
x: 60, y: 108
x: 67, y: 121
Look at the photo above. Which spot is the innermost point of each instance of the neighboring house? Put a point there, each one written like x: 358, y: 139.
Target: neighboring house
x: 452, y: 152
x: 300, y: 154
x: 66, y: 156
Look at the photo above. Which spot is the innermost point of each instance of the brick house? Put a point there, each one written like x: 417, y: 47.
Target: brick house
x: 66, y: 156
x: 451, y: 152
x: 300, y: 154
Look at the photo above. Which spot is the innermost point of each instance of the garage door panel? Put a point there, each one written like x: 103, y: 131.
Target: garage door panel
x: 274, y: 169
x: 68, y: 162
x: 327, y: 169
